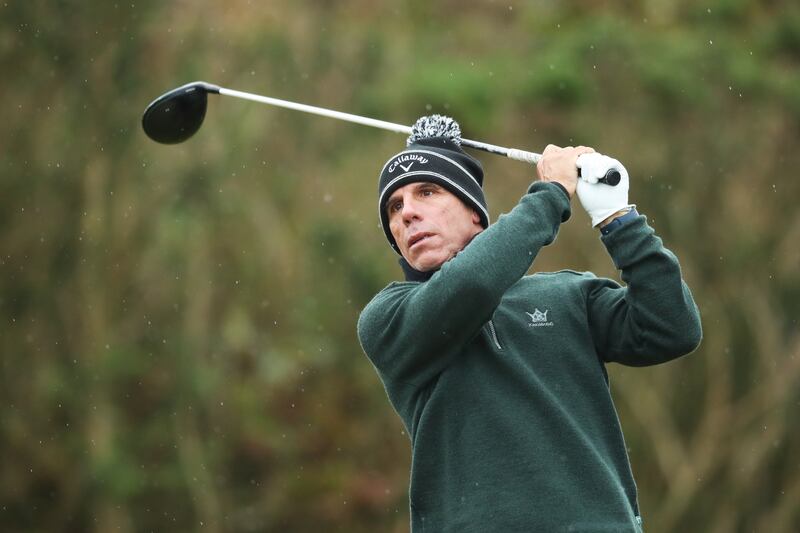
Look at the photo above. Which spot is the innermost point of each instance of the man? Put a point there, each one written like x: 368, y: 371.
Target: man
x: 500, y: 377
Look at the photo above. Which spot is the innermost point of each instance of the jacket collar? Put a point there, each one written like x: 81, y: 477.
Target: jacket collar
x: 413, y: 274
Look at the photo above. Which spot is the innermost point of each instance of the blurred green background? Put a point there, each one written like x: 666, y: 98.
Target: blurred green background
x: 178, y: 322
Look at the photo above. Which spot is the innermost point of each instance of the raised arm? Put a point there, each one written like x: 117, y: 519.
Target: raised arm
x: 652, y: 320
x: 412, y: 331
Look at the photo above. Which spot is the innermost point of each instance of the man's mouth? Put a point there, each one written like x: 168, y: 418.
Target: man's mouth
x: 418, y: 237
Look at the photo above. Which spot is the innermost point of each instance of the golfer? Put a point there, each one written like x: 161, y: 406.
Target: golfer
x: 499, y: 376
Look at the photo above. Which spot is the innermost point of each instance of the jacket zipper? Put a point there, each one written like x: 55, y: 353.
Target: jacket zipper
x: 493, y: 334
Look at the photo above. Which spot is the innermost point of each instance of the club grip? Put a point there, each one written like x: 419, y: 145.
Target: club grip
x: 612, y: 177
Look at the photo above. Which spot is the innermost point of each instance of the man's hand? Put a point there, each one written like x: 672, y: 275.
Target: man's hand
x: 559, y: 165
x: 601, y: 201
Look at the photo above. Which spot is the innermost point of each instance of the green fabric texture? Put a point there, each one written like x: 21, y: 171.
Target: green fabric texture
x: 500, y: 377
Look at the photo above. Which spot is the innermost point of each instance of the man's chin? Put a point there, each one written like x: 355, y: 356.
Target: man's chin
x: 427, y: 261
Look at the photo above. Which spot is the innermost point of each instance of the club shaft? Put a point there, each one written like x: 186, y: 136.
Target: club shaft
x: 318, y: 111
x: 512, y: 153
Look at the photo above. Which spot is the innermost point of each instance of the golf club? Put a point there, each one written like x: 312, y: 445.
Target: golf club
x: 176, y: 115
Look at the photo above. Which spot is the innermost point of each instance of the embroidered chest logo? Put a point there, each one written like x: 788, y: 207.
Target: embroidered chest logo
x: 539, y: 318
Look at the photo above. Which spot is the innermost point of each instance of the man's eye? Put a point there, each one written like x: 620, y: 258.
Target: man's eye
x: 395, y: 207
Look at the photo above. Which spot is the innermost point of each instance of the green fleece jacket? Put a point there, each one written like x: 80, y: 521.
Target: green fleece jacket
x: 500, y: 377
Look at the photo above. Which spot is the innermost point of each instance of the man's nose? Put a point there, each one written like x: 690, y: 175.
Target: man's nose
x: 410, y: 211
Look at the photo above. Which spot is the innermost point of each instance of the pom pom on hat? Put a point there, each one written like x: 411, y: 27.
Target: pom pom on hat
x: 435, y: 126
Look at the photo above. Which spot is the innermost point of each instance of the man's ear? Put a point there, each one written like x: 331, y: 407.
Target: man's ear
x: 476, y: 218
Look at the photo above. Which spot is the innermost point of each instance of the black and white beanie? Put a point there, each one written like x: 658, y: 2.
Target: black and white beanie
x: 433, y: 155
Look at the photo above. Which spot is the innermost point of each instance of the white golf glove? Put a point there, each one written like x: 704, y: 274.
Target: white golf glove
x: 598, y: 199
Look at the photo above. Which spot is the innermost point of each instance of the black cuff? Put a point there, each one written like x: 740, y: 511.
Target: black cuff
x: 542, y: 185
x: 562, y: 188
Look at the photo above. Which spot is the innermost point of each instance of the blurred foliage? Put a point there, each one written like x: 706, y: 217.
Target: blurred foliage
x: 178, y: 322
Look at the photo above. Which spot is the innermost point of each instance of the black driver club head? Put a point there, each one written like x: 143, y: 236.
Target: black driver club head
x: 176, y: 115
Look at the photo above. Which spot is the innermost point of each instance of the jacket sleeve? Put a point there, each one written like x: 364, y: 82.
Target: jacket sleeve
x: 652, y: 320
x: 411, y: 331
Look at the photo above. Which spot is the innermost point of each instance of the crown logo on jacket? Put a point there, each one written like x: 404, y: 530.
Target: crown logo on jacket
x: 539, y: 318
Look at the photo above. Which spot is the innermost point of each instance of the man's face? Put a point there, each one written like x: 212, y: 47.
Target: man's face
x: 430, y: 224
